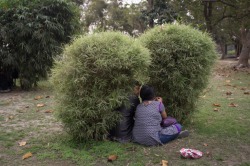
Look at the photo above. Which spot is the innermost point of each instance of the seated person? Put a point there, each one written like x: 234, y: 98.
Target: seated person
x: 123, y: 130
x: 148, y: 117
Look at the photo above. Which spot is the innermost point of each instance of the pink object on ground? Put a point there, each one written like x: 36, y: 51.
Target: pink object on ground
x: 191, y: 153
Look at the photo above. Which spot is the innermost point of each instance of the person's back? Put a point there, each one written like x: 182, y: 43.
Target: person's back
x: 147, y: 124
x: 148, y: 117
x: 123, y: 130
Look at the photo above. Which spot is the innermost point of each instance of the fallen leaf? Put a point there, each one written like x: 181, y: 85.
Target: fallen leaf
x: 208, y: 153
x: 47, y: 97
x: 11, y: 117
x: 22, y: 143
x: 38, y: 97
x: 112, y: 158
x: 205, y: 144
x: 243, y: 88
x: 227, y: 81
x: 247, y: 92
x: 216, y: 104
x: 27, y: 155
x: 233, y: 105
x: 27, y: 106
x: 164, y: 162
x: 229, y: 93
x: 216, y: 109
x: 21, y: 111
x: 40, y: 105
x: 48, y: 111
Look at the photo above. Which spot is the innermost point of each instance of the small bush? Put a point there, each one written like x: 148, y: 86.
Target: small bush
x: 181, y: 61
x: 94, y: 76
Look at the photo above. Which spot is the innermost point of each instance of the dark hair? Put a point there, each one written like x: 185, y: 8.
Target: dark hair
x: 137, y: 83
x: 147, y: 93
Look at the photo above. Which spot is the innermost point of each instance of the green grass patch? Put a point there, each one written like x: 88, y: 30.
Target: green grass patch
x: 10, y: 138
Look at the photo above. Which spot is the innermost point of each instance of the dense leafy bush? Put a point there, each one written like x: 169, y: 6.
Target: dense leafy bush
x: 31, y: 32
x: 94, y: 77
x: 181, y: 61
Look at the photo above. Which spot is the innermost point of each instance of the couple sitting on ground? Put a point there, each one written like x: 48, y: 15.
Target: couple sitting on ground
x: 144, y: 122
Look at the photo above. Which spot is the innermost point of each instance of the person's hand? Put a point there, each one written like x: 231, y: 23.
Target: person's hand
x: 158, y: 99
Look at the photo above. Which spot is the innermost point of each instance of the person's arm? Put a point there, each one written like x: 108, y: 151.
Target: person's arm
x: 161, y: 108
x: 164, y: 114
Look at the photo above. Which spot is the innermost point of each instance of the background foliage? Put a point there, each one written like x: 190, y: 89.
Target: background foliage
x: 31, y: 32
x: 94, y: 77
x: 181, y: 61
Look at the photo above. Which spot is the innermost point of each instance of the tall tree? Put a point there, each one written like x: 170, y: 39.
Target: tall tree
x: 158, y: 12
x: 94, y: 15
x: 221, y: 18
x: 32, y: 32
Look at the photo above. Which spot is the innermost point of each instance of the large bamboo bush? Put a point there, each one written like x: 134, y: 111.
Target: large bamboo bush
x: 94, y: 76
x: 181, y: 61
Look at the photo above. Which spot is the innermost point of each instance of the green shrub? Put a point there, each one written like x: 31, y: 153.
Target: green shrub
x: 94, y: 76
x: 181, y: 61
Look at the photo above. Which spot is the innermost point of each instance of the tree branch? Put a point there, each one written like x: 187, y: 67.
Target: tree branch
x: 228, y: 4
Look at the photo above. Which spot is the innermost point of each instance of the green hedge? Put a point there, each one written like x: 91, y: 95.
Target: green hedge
x: 181, y: 61
x: 94, y: 76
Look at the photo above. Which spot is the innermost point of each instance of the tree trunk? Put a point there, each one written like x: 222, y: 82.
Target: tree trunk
x: 223, y: 50
x: 150, y: 8
x: 208, y: 8
x: 244, y: 55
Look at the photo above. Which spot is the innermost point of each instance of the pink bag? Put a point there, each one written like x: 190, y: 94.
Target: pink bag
x: 190, y: 153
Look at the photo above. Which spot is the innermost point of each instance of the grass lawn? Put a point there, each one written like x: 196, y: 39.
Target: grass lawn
x: 220, y: 128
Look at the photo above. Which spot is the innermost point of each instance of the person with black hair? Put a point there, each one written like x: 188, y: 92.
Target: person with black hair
x: 122, y: 132
x: 148, y: 117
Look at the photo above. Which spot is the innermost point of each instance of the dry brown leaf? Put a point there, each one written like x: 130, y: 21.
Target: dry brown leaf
x: 227, y: 81
x: 247, y: 92
x: 27, y: 106
x: 47, y: 97
x: 164, y: 162
x: 233, y: 105
x: 208, y: 153
x: 112, y: 158
x: 38, y: 97
x: 205, y: 144
x: 243, y: 88
x: 216, y: 104
x: 27, y: 155
x: 40, y: 105
x: 11, y: 117
x: 216, y: 109
x: 229, y: 93
x: 22, y: 143
x: 48, y: 111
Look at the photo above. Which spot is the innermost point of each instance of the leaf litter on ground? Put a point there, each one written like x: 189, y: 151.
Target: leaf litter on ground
x: 27, y: 155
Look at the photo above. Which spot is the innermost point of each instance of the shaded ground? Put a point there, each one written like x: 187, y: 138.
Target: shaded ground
x: 222, y: 135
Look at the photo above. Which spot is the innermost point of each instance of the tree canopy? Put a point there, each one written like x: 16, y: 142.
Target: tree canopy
x: 32, y: 32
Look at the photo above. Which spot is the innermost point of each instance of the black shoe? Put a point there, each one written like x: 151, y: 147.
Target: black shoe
x: 183, y: 134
